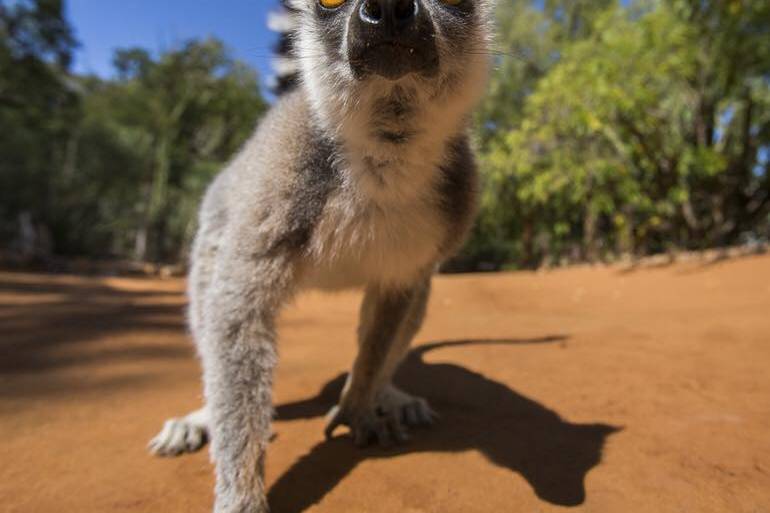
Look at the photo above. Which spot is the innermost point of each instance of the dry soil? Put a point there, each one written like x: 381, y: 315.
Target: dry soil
x: 590, y: 389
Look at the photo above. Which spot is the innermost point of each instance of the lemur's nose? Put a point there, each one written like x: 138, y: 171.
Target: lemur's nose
x: 392, y: 38
x: 391, y: 16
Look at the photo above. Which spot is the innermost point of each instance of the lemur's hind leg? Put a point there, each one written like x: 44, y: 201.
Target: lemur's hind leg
x: 371, y: 405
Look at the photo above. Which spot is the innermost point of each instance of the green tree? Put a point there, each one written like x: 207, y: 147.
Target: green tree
x: 532, y: 37
x: 190, y: 110
x: 111, y: 167
x: 38, y: 107
x: 646, y: 133
x: 730, y: 114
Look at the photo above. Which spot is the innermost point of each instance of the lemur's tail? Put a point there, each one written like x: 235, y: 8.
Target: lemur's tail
x: 285, y: 64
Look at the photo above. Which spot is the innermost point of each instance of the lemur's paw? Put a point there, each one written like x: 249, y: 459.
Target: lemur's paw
x: 368, y: 426
x: 254, y: 501
x: 386, y: 422
x: 179, y: 436
x: 412, y: 411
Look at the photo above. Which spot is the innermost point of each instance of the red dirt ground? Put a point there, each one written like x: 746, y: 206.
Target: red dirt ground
x: 595, y: 390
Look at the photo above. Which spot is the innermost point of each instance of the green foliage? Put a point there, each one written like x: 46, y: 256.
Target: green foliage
x: 644, y: 134
x: 188, y: 112
x: 610, y: 127
x: 111, y: 167
x: 37, y: 106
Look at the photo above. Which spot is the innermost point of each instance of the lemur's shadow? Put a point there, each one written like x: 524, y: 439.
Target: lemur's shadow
x: 512, y: 431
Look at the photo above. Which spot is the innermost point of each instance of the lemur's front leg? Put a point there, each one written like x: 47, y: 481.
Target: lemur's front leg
x: 239, y: 354
x: 371, y: 405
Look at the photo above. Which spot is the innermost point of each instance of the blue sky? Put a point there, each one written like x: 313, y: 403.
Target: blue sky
x: 103, y: 25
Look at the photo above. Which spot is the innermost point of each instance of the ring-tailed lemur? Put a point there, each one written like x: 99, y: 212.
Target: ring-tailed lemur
x: 361, y: 176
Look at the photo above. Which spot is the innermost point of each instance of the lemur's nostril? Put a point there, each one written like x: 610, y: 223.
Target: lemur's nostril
x: 405, y: 10
x: 371, y: 11
x: 400, y: 12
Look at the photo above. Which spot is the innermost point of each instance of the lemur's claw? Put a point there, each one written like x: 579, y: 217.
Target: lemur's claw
x: 334, y: 419
x: 387, y: 423
x: 366, y: 427
x: 179, y: 436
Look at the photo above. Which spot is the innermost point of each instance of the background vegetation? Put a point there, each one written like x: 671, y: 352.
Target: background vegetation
x: 610, y: 128
x: 111, y: 168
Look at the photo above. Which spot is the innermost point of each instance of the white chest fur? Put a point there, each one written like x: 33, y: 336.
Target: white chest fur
x: 383, y: 225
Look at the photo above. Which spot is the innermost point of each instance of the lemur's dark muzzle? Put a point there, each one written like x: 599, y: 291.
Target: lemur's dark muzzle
x: 391, y: 38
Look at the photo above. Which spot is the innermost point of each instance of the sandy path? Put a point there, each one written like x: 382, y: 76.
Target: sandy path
x: 594, y: 390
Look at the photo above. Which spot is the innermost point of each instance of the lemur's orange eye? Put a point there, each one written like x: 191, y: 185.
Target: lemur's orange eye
x: 332, y: 4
